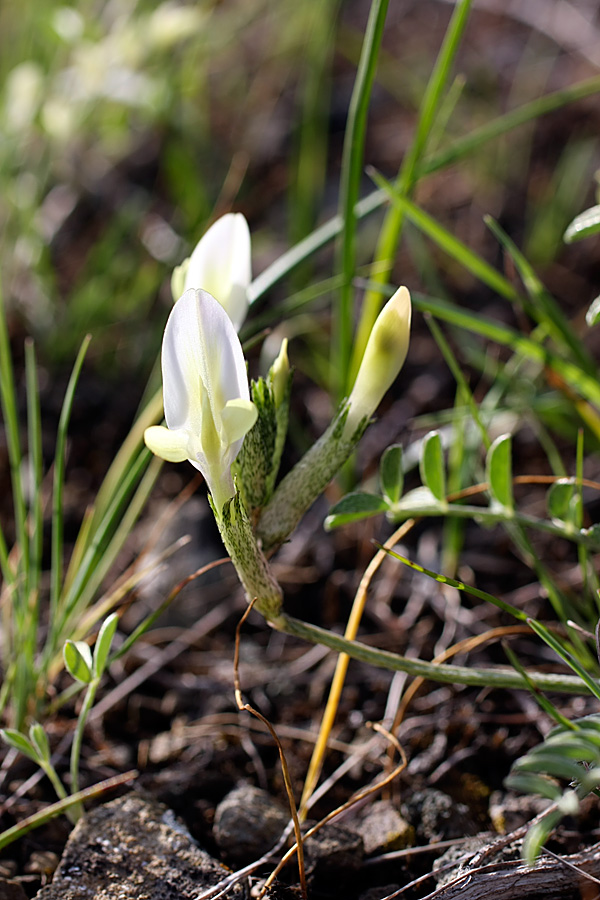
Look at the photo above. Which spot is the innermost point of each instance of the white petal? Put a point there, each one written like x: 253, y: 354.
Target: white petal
x: 202, y: 361
x: 221, y: 265
x: 169, y: 445
x: 238, y: 418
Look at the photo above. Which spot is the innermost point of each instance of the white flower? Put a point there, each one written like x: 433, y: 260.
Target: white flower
x: 207, y: 403
x: 384, y: 357
x: 221, y: 265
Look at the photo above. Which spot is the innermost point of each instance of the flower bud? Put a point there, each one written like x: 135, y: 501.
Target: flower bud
x: 384, y: 357
x: 280, y: 374
x: 221, y: 265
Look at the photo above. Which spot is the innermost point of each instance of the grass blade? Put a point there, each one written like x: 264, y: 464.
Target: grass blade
x: 58, y: 483
x: 408, y: 176
x: 548, y: 638
x: 447, y: 242
x: 8, y: 401
x: 352, y: 164
x: 519, y: 343
x: 457, y: 151
x: 56, y: 809
x: 544, y: 307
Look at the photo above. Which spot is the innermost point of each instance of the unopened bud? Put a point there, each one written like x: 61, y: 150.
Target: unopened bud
x: 280, y: 374
x: 383, y: 358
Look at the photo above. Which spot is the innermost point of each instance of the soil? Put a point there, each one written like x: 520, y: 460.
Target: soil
x: 168, y: 710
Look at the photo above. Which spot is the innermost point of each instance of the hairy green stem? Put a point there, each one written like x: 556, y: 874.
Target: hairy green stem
x: 448, y: 674
x: 306, y: 481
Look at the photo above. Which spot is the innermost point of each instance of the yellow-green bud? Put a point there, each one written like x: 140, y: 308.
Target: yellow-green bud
x: 280, y: 373
x: 383, y: 358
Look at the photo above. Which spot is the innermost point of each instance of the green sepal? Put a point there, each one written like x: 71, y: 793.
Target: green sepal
x: 257, y: 463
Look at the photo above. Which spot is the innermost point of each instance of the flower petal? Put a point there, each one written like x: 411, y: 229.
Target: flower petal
x: 201, y: 358
x: 169, y: 445
x: 238, y: 417
x: 221, y: 265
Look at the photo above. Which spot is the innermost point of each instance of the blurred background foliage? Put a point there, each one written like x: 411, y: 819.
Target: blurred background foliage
x: 127, y: 126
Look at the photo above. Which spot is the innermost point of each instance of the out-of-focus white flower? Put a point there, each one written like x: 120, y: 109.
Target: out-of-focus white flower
x: 22, y: 97
x: 170, y: 24
x: 384, y: 357
x: 207, y: 403
x: 221, y: 265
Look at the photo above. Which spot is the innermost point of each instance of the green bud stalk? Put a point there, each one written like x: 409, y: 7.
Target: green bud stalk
x: 384, y: 357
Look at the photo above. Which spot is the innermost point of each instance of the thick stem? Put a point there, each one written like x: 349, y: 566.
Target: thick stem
x: 252, y: 567
x: 495, y: 678
x: 307, y: 480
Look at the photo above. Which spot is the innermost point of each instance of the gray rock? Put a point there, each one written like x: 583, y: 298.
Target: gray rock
x: 383, y: 829
x: 248, y: 823
x: 376, y: 893
x: 11, y: 890
x: 334, y: 849
x: 436, y: 817
x: 509, y: 811
x: 132, y: 849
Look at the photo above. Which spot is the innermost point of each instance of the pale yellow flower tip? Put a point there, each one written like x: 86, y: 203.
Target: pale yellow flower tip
x: 383, y: 358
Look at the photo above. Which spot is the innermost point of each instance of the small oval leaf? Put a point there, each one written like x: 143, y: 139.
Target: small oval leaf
x: 559, y: 499
x: 103, y: 642
x: 391, y: 473
x: 39, y: 740
x: 499, y: 471
x: 583, y: 225
x: 592, y: 534
x: 354, y: 507
x: 433, y: 473
x: 78, y: 660
x: 19, y: 742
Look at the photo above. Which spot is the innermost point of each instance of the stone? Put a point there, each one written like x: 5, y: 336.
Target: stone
x: 248, y: 823
x: 383, y: 829
x: 133, y: 848
x: 334, y: 849
x: 510, y: 811
x: 437, y: 817
x: 11, y: 890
